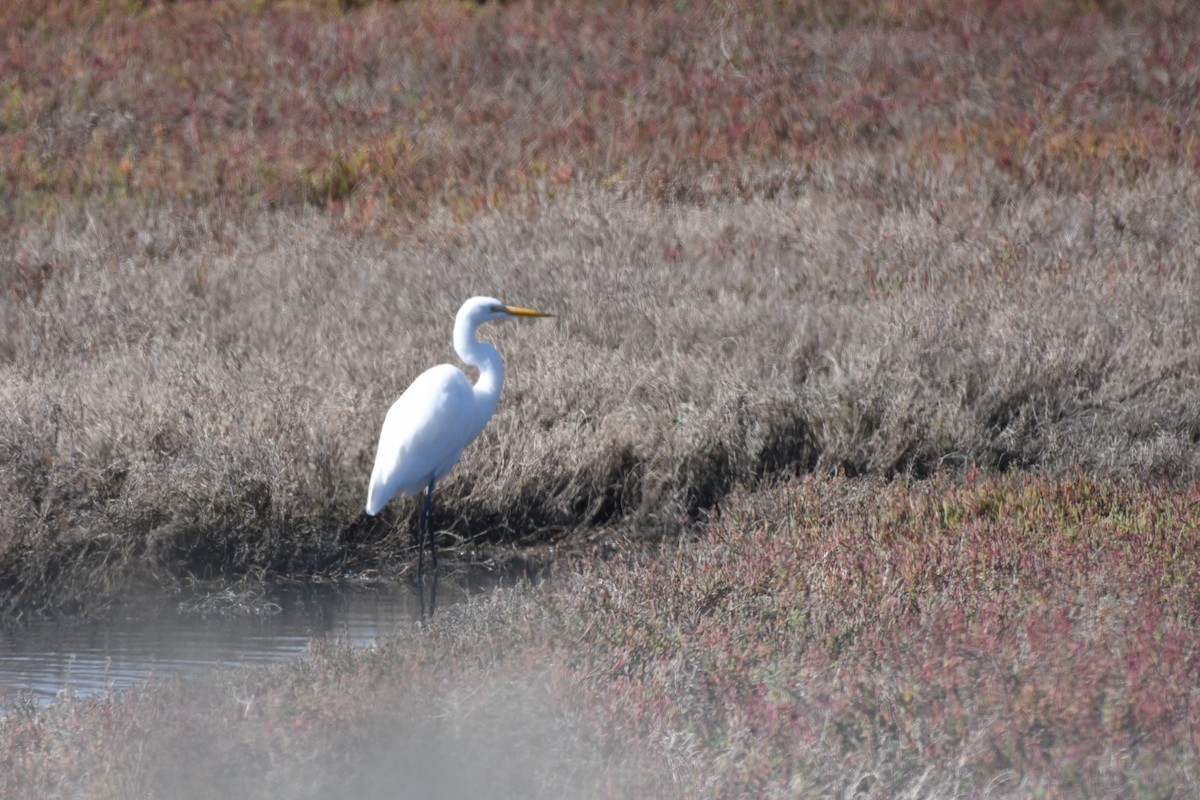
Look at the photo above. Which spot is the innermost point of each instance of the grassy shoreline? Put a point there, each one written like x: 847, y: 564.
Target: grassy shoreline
x: 982, y: 637
x: 156, y: 431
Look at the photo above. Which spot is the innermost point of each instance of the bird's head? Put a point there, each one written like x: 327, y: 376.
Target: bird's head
x: 478, y: 310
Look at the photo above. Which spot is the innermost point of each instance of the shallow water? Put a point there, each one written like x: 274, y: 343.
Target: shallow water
x: 162, y: 638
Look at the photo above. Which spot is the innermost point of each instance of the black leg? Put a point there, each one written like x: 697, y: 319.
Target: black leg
x: 420, y: 537
x: 427, y: 536
x: 436, y: 572
x: 432, y: 549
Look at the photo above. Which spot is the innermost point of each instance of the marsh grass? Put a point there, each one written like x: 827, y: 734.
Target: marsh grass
x: 967, y: 637
x: 874, y: 379
x: 157, y: 421
x: 777, y: 243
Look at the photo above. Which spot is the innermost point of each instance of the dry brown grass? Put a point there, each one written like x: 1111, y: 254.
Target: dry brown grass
x: 218, y: 411
x: 776, y: 244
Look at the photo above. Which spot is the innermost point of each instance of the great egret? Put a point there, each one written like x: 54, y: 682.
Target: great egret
x: 427, y: 429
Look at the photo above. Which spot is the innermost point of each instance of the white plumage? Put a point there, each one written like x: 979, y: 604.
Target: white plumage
x: 427, y: 429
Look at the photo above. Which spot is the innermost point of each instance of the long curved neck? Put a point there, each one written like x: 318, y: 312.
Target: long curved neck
x: 486, y: 358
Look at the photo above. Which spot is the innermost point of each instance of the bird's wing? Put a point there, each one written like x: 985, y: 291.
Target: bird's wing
x: 423, y: 434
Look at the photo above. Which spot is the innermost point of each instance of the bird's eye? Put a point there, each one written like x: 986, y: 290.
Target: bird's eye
x: 497, y: 309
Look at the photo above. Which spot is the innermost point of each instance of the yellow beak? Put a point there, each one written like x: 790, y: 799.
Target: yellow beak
x: 517, y: 311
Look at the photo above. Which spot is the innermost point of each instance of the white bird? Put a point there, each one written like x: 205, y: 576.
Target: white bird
x: 427, y: 429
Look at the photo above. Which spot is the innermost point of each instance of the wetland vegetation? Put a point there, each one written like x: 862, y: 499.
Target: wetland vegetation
x: 867, y: 435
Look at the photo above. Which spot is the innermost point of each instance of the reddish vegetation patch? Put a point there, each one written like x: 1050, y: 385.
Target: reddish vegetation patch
x: 1009, y: 636
x: 381, y: 112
